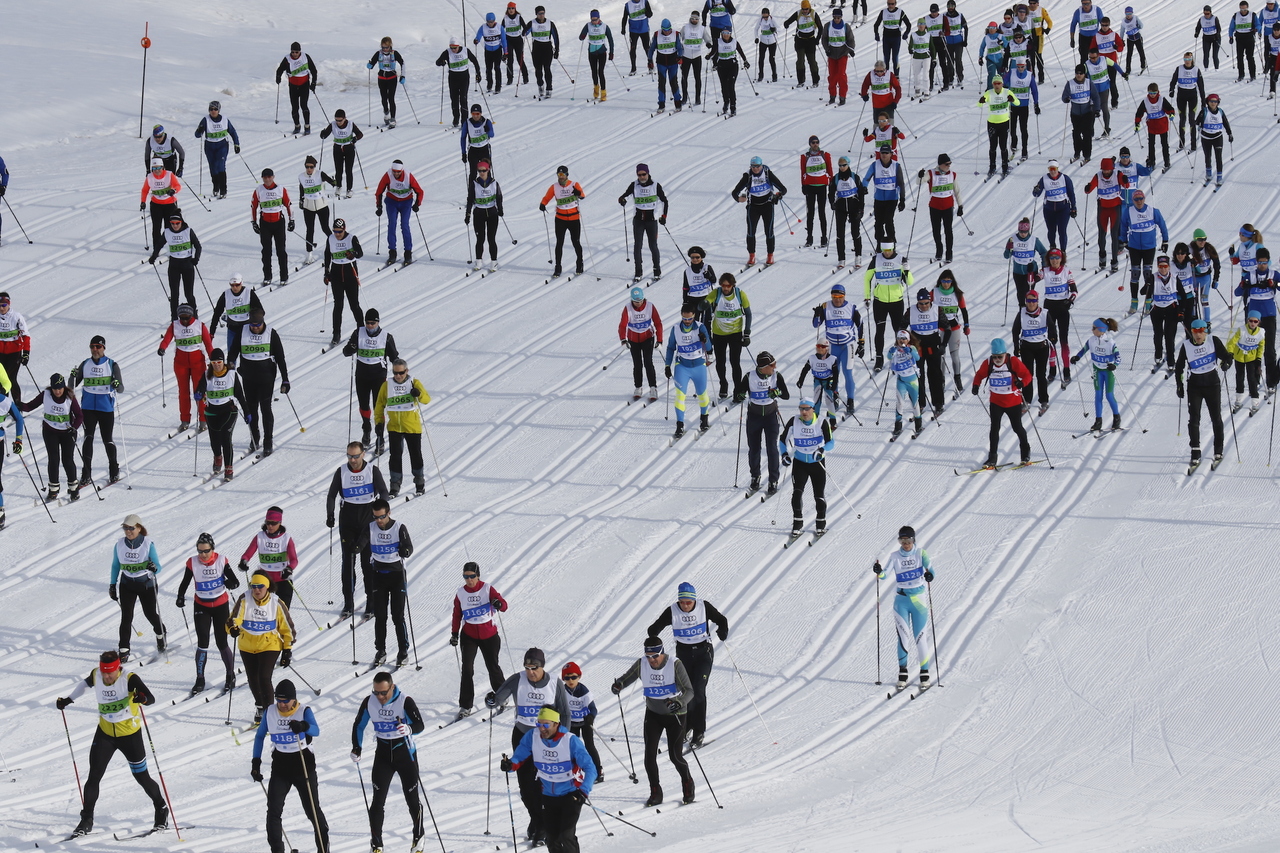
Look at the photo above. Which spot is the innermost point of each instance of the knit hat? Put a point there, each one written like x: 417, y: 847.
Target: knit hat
x: 765, y: 358
x: 1032, y: 296
x: 923, y: 294
x: 217, y: 355
x: 999, y: 347
x: 903, y: 335
x: 1124, y: 150
x: 372, y: 316
x: 1107, y: 164
x: 286, y: 690
x: 1080, y: 69
x: 686, y: 592
x: 1199, y: 324
x: 535, y: 657
x: 268, y: 173
x: 490, y: 17
x: 185, y: 310
x: 570, y: 668
x: 642, y: 167
x: 157, y: 163
x: 806, y: 403
x: 756, y: 161
x: 1199, y: 234
x: 562, y: 170
x: 57, y: 381
x: 943, y: 159
x: 1253, y: 315
x: 295, y: 46
x: 475, y: 108
x: 666, y: 23
x: 652, y: 646
x: 97, y: 341
x: 310, y: 161
x: 838, y: 288
x: 906, y: 530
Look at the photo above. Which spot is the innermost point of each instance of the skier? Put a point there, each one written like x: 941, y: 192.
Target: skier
x: 213, y: 577
x: 1207, y: 267
x: 767, y: 39
x: 808, y: 33
x: 1156, y: 110
x: 192, y: 339
x: 881, y: 134
x: 264, y: 632
x: 184, y: 254
x: 396, y: 719
x: 102, y: 381
x: 544, y: 46
x: 399, y: 407
x: 667, y: 48
x: 1023, y: 249
x: 1041, y: 24
x: 815, y: 177
x: 912, y: 571
x: 689, y: 344
x: 886, y: 178
x: 635, y: 22
x: 698, y: 282
x: 275, y: 553
x: 62, y: 417
x: 7, y: 408
x: 1258, y: 288
x: 597, y: 35
x: 373, y: 347
x: 262, y: 354
x: 1021, y: 83
x: 477, y: 141
x: 494, y: 37
x: 565, y: 771
x: 730, y: 310
x: 845, y: 194
x: 1031, y: 345
x: 838, y: 42
x: 812, y: 440
x: 1199, y: 354
x: 359, y: 482
x: 920, y: 48
x: 724, y: 53
x: 1271, y: 54
x: 400, y: 187
x: 992, y: 52
x: 484, y: 200
x: 1105, y: 357
x: 1187, y: 82
x: 582, y: 713
x: 15, y: 346
x: 760, y: 189
x: 1006, y: 376
x: 269, y: 223
x: 236, y: 303
x: 826, y: 377
x: 1209, y: 31
x: 882, y: 88
x: 763, y: 387
x: 924, y: 322
x: 955, y: 35
x: 1101, y: 71
x: 1212, y: 122
x: 1138, y: 224
x: 345, y: 136
x: 1132, y: 171
x: 1084, y: 23
x: 291, y: 727
x: 567, y: 194
x: 1110, y: 185
x: 473, y: 606
x: 135, y: 557
x: 1108, y: 43
x: 516, y: 26
x: 668, y: 690
x: 1165, y: 297
x: 385, y: 59
x: 1086, y: 102
x: 904, y: 365
x: 389, y: 545
x: 1059, y: 205
x: 215, y: 128
x: 1185, y: 273
x: 456, y: 59
x: 1246, y: 346
x: 841, y: 325
x: 944, y: 204
x: 640, y: 330
x: 950, y: 301
x: 935, y: 25
x: 693, y: 40
x: 1058, y: 288
x: 690, y: 621
x: 1131, y: 26
x: 220, y: 389
x: 119, y: 695
x: 342, y: 273
x: 892, y: 278
x: 161, y: 187
x: 646, y: 193
x: 313, y: 202
x: 1241, y: 28
x: 1246, y: 254
x: 531, y: 689
x: 719, y: 16
x: 163, y: 146
x: 895, y: 26
x: 303, y: 76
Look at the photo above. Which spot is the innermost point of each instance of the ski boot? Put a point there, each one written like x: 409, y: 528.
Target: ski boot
x: 393, y: 486
x: 1097, y: 425
x: 391, y: 257
x: 162, y: 641
x: 402, y: 658
x: 408, y: 256
x: 84, y: 827
x: 217, y: 465
x: 751, y: 259
x: 705, y: 423
x: 52, y: 494
x: 679, y: 433
x: 73, y: 492
x: 419, y: 485
x: 768, y: 262
x: 897, y: 428
x: 924, y: 678
x: 227, y: 474
x: 198, y: 687
x: 902, y: 677
x: 655, y: 796
x: 1115, y: 422
x: 687, y: 783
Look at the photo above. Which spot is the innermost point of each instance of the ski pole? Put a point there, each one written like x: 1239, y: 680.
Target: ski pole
x: 502, y: 628
x: 511, y: 809
x: 23, y: 230
x: 1080, y: 228
x: 404, y: 589
x: 822, y: 464
x: 316, y: 95
x: 431, y: 445
x: 900, y: 120
x: 277, y: 102
x: 627, y: 736
x: 883, y: 394
x: 83, y: 471
x: 489, y: 788
x: 206, y: 289
x: 1235, y: 439
x: 622, y: 820
x: 362, y: 790
x: 425, y: 244
x: 733, y: 661
x: 698, y: 761
x: 76, y: 767
x: 160, y: 281
x: 574, y: 91
x: 1041, y: 440
x: 413, y: 109
x: 1271, y: 441
x: 966, y: 225
x: 174, y: 817
x: 547, y: 225
x: 235, y: 647
x: 1037, y: 112
x: 915, y: 207
x: 322, y: 844
x: 443, y: 72
x: 605, y: 741
x: 302, y: 679
x: 590, y: 253
x: 293, y: 587
x: 933, y: 629
x: 615, y: 358
x: 39, y: 473
x: 301, y: 428
x: 625, y: 242
x: 1125, y: 397
x: 361, y: 165
x: 878, y: 682
x: 417, y: 773
x: 246, y: 166
x: 1137, y: 338
x: 503, y: 220
x: 667, y: 415
x: 855, y: 131
x: 1007, y: 274
x: 566, y: 70
x: 737, y: 456
x: 146, y: 235
x: 621, y: 76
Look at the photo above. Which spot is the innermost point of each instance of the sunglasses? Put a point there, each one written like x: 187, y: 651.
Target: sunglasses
x: 642, y: 173
x: 653, y: 656
x: 273, y: 524
x: 355, y: 455
x: 129, y: 526
x: 377, y: 517
x: 532, y: 668
x: 283, y: 701
x: 399, y: 373
x: 95, y: 346
x: 257, y: 586
x: 382, y: 693
x: 572, y: 677
x: 204, y: 550
x: 469, y: 576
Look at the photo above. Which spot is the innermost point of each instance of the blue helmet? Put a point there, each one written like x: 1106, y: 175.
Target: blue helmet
x: 998, y: 347
x: 687, y: 592
x: 666, y: 23
x: 756, y: 161
x: 637, y: 294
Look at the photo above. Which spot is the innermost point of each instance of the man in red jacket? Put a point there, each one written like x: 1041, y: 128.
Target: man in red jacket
x: 1006, y: 376
x: 1157, y: 110
x: 473, y: 607
x: 815, y: 174
x: 884, y: 88
x: 194, y: 342
x: 1110, y: 185
x: 640, y: 330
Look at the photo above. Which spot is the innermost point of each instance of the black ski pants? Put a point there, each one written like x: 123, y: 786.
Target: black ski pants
x: 699, y: 659
x: 369, y: 381
x: 104, y: 747
x: 489, y: 649
x: 103, y: 423
x: 643, y: 38
x: 222, y: 427
x: 892, y: 313
x: 883, y: 210
x: 309, y: 217
x: 134, y: 591
x: 572, y: 227
x: 345, y: 286
x: 806, y: 54
x: 1164, y: 328
x: 485, y: 222
x: 763, y: 425
x: 728, y: 350
x: 560, y: 822
x: 182, y: 272
x: 530, y: 787
x: 515, y: 53
x: 259, y: 667
x: 1014, y: 414
x: 940, y: 220
x: 344, y: 160
x: 387, y: 594
x: 815, y: 196
x: 60, y: 447
x: 1036, y: 357
x: 213, y: 621
x: 755, y: 214
x: 642, y: 361
x: 399, y: 442
x: 387, y: 94
x: 655, y: 726
x: 299, y: 97
x: 259, y: 380
x: 392, y: 759
x: 273, y: 231
x: 353, y: 521
x: 933, y: 382
x: 644, y: 224
x: 289, y: 773
x: 1204, y: 388
x: 803, y: 473
x: 728, y: 71
x: 849, y: 217
x: 541, y: 53
x: 459, y: 83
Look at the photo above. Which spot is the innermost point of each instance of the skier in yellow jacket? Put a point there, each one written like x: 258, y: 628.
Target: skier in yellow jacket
x: 265, y: 630
x: 399, y: 407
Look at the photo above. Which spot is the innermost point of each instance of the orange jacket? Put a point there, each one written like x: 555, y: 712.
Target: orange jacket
x: 566, y: 198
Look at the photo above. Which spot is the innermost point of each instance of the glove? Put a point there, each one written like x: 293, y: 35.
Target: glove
x: 490, y: 700
x: 477, y: 79
x: 920, y: 174
x: 1135, y: 130
x: 578, y: 193
x: 775, y: 199
x: 1026, y: 407
x: 818, y: 312
x: 1111, y: 367
x: 500, y: 213
x: 248, y: 418
x: 286, y: 658
x: 152, y: 260
x: 415, y: 207
x: 181, y: 602
x: 17, y: 445
x: 723, y: 633
x: 1074, y: 359
x: 555, y: 55
x: 1181, y: 392
x: 505, y: 765
x: 313, y: 87
x: 673, y: 705
x: 2, y: 190
x: 928, y: 575
x: 960, y: 211
x: 667, y: 371
x: 284, y: 387
x: 1164, y: 246
x: 466, y: 220
x: 453, y: 638
x: 1037, y: 109
x: 256, y: 772
x: 160, y: 352
x: 179, y: 172
x: 578, y: 796
x: 746, y: 64
x: 299, y: 726
x: 611, y: 57
x: 256, y: 228
x: 285, y: 574
x: 865, y: 99
x: 237, y: 149
x: 902, y: 204
x: 377, y: 210
x: 862, y: 348
x: 1215, y: 284
x: 402, y: 79
x: 198, y: 395
x: 1230, y: 138
x: 1073, y: 213
x: 290, y: 225
x: 231, y: 581
x: 746, y: 339
x: 786, y: 459
x: 142, y: 206
x: 403, y: 730
x: 111, y: 591
x: 498, y: 605
x: 876, y: 568
x: 662, y: 220
x: 328, y: 522
x: 355, y: 754
x: 243, y: 565
x: 63, y: 702
x: 626, y: 344
x: 866, y: 132
x: 757, y: 41
x: 616, y: 688
x: 232, y: 628
x: 650, y: 66
x: 542, y: 207
x: 975, y: 390
x: 414, y: 392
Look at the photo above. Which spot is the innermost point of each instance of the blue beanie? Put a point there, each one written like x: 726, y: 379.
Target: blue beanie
x: 1253, y: 315
x: 491, y: 17
x: 666, y: 23
x: 998, y: 347
x: 756, y: 161
x: 687, y: 592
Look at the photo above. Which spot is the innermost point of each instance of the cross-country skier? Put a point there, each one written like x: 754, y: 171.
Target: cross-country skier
x: 1108, y: 43
x: 160, y: 189
x: 135, y: 557
x: 61, y: 418
x: 841, y: 326
x: 476, y: 139
x: 599, y: 39
x: 565, y: 772
x: 1084, y: 26
x: 15, y: 346
x: 265, y: 206
x: 389, y: 545
x: 456, y: 59
x: 582, y: 712
x: 1086, y: 103
x: 314, y: 205
x: 763, y: 387
x: 1110, y: 185
x: 944, y: 204
x: 1132, y: 171
x: 1101, y: 71
x: 699, y: 281
x: 1031, y: 345
x: 1188, y: 83
x: 220, y: 389
x: 359, y: 482
x: 395, y: 719
x: 1131, y: 26
x: 494, y: 37
x: 992, y: 52
x: 956, y: 38
x: 936, y: 28
x: 904, y: 366
x: 640, y: 331
x: 1207, y: 267
x: 724, y: 53
x: 730, y: 332
x: 837, y: 41
x: 193, y: 341
x: 689, y: 346
x: 399, y: 407
x: 102, y: 381
x: 1165, y: 298
x: 812, y: 440
x: 645, y: 194
x: 184, y: 254
x: 920, y: 49
x: 815, y: 177
x: 889, y: 185
x: 1155, y: 110
x: 912, y: 571
x: 1212, y: 121
x: 1246, y: 346
x: 845, y: 194
x: 403, y: 194
x: 345, y: 136
x: 1104, y: 355
x: 1258, y: 288
x: 484, y: 201
x: 668, y: 690
x: 999, y: 102
x: 884, y: 300
x: 235, y: 303
x: 949, y: 298
x: 1059, y: 205
x: 303, y: 75
x: 373, y: 348
x: 530, y: 689
x: 473, y: 627
x: 291, y: 727
x: 1188, y: 294
x: 760, y: 189
x: 882, y: 88
x: 168, y: 149
x: 690, y: 620
x: 666, y: 49
x: 213, y: 577
x: 118, y: 694
x: 767, y: 41
x: 719, y: 16
x: 1199, y: 354
x: 385, y: 59
x: 883, y: 133
x: 265, y: 634
x: 826, y: 377
x: 924, y: 320
x: 215, y: 128
x: 567, y: 195
x: 1138, y: 224
x: 894, y: 21
x: 1058, y: 291
x: 1006, y: 376
x: 341, y: 272
x: 516, y: 27
x: 7, y: 408
x: 693, y: 41
x: 1241, y: 30
x: 1209, y: 31
x: 635, y: 23
x: 261, y: 356
x: 1041, y: 24
x: 544, y: 46
x: 808, y: 33
x: 275, y: 554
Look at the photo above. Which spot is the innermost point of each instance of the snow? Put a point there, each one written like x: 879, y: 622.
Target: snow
x: 1103, y: 633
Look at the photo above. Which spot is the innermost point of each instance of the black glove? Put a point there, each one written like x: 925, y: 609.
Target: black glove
x: 975, y: 390
x: 152, y: 260
x: 290, y: 224
x: 920, y: 174
x: 723, y: 633
x: 285, y: 574
x: 490, y: 700
x: 244, y: 565
x: 416, y: 205
x: 231, y: 581
x: 673, y: 705
x: 328, y: 522
x: 466, y: 220
x: 746, y: 339
x: 257, y: 229
x: 746, y: 64
x: 1111, y: 367
x: 786, y: 460
x: 2, y: 190
x: 237, y: 149
x: 232, y: 628
x: 818, y: 312
x: 1164, y: 246
x: 616, y: 687
x: 876, y: 568
x: 181, y: 601
x: 1037, y: 109
x: 286, y: 658
x: 505, y: 765
x: 862, y: 348
x: 662, y: 220
x: 111, y: 591
x: 667, y: 371
x: 377, y: 210
x: 299, y: 726
x: 142, y: 205
x: 1181, y: 391
x: 1073, y: 213
x: 578, y: 796
x: 284, y: 387
x: 179, y: 172
x: 902, y: 204
x: 414, y: 392
x: 928, y: 575
x: 1074, y: 359
x: 256, y: 772
x: 453, y: 638
x: 542, y: 207
x: 960, y: 211
x: 622, y: 200
x: 62, y: 700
